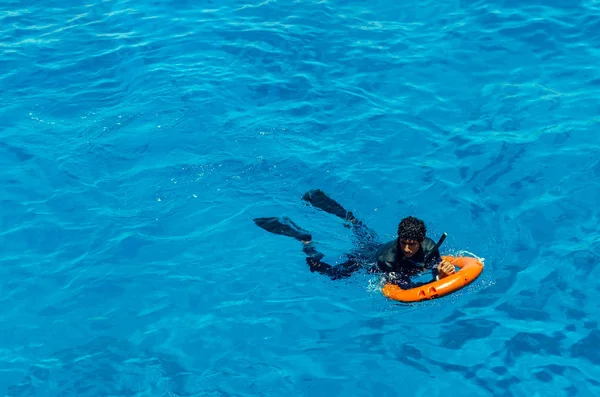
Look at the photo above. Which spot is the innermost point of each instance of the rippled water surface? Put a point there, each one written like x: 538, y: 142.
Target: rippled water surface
x: 140, y: 139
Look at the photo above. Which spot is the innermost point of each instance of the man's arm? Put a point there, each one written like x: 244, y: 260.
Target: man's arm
x: 386, y: 257
x: 439, y: 267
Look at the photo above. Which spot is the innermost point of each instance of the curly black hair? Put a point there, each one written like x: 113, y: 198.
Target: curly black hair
x: 411, y: 228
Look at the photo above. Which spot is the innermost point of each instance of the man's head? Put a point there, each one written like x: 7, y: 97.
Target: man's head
x: 411, y: 233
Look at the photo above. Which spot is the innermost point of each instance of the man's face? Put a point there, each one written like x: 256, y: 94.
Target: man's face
x: 409, y: 247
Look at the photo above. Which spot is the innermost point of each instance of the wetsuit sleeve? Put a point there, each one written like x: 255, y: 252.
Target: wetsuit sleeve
x: 384, y: 266
x: 400, y: 279
x: 386, y: 258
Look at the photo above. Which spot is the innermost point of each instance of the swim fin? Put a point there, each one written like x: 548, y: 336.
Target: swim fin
x: 283, y: 226
x: 319, y: 199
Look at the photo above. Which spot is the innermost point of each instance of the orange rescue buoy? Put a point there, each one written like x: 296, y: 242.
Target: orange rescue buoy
x: 470, y: 269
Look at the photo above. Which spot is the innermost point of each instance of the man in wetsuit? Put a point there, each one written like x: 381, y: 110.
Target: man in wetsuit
x: 410, y: 254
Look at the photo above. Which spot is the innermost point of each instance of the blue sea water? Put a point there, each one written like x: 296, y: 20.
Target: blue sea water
x: 140, y: 139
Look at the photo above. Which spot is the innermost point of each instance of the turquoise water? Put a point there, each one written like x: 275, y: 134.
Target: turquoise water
x: 140, y: 139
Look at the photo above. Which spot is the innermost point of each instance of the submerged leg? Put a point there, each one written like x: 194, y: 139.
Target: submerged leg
x: 366, y: 237
x: 342, y: 270
x: 320, y: 200
x: 286, y: 227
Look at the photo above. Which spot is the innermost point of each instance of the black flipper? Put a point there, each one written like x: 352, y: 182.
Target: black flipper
x: 283, y: 226
x: 319, y: 199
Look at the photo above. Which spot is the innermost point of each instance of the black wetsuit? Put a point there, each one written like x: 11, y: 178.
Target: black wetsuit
x: 369, y: 252
x: 364, y: 254
x: 389, y: 259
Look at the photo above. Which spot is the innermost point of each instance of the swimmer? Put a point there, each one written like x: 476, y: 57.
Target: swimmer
x: 410, y: 254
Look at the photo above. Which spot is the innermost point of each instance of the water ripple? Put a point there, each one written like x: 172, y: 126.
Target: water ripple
x: 139, y: 140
